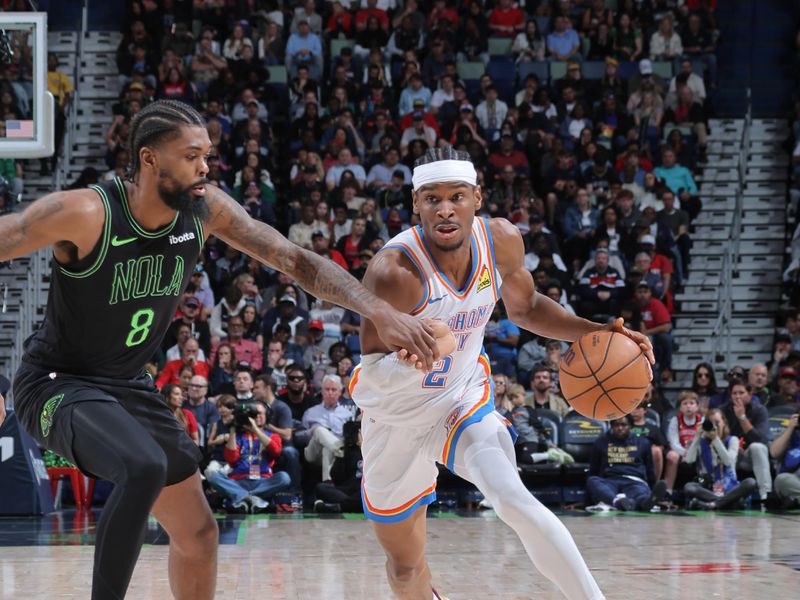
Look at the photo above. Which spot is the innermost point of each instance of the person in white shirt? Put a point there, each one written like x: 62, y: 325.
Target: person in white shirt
x: 491, y: 112
x: 418, y: 131
x: 443, y: 94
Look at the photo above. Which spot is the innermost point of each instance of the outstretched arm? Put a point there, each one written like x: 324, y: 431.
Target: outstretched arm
x: 534, y: 311
x: 320, y: 276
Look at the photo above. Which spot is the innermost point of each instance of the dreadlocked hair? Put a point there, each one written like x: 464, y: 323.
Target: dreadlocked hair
x: 444, y: 153
x: 157, y: 122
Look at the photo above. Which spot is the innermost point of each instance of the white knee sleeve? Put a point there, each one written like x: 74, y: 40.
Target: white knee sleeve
x: 483, y: 458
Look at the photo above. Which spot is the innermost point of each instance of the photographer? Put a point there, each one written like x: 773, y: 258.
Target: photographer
x: 250, y: 453
x: 343, y: 493
x: 786, y: 449
x: 714, y: 452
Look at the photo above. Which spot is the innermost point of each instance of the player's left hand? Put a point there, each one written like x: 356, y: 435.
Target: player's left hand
x: 445, y: 343
x: 618, y: 326
x: 400, y: 331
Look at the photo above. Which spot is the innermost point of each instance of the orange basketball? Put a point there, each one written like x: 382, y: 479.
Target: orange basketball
x: 604, y: 375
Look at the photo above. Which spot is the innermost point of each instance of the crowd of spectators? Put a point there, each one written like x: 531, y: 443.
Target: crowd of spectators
x: 585, y: 130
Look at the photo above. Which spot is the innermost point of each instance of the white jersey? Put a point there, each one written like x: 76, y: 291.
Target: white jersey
x: 394, y: 393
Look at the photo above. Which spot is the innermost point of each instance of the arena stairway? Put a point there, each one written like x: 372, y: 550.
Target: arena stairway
x: 752, y: 239
x: 91, y: 60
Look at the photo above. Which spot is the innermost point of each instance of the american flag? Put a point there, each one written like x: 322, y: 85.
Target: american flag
x: 19, y: 129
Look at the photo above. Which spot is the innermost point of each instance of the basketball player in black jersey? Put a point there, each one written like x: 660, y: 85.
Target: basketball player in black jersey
x: 122, y: 254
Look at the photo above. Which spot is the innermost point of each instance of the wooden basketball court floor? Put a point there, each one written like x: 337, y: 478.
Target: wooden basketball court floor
x: 676, y: 556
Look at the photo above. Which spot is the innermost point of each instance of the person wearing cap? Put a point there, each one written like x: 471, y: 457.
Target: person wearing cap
x: 286, y: 312
x: 315, y: 356
x: 658, y: 327
x: 304, y: 46
x: 427, y: 116
x: 645, y: 76
x: 415, y: 89
x: 786, y: 393
x: 320, y: 245
x: 417, y: 131
x: 563, y: 43
x: 665, y: 44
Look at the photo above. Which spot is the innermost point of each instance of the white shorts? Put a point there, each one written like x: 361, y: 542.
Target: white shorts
x: 400, y: 462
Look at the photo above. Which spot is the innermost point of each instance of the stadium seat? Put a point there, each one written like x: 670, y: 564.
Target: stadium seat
x: 577, y: 436
x: 277, y: 74
x: 779, y: 420
x: 337, y: 44
x: 540, y: 69
x: 470, y: 70
x: 663, y: 69
x: 593, y: 69
x: 500, y: 46
x: 628, y: 69
x: 503, y: 72
x: 652, y: 417
x: 558, y: 68
x: 551, y: 421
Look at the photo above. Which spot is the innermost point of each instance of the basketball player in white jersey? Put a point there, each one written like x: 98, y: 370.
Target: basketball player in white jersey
x: 454, y: 268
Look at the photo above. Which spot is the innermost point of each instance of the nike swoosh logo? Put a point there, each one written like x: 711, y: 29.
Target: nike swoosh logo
x: 432, y: 300
x: 115, y: 241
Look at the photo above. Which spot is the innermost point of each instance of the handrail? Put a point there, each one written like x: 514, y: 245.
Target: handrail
x: 721, y: 332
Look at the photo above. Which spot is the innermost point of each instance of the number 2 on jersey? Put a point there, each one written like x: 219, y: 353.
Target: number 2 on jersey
x: 438, y: 377
x: 140, y: 327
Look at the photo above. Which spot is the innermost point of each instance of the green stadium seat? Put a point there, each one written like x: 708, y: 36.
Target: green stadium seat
x: 500, y: 46
x: 558, y: 68
x: 470, y: 70
x: 277, y: 74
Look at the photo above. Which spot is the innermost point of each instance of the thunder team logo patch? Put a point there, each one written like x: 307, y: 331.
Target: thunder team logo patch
x: 485, y: 279
x: 46, y: 418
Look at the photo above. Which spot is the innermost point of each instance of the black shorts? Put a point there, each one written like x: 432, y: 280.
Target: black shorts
x: 44, y: 403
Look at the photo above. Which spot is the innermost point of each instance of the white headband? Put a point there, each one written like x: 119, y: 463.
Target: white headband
x: 444, y: 170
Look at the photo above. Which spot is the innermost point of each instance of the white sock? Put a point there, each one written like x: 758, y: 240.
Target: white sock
x: 539, y: 456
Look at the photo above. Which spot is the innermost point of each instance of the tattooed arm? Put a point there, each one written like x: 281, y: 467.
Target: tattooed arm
x: 70, y: 221
x: 318, y: 275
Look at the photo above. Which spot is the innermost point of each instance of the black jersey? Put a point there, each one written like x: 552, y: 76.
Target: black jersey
x: 107, y: 314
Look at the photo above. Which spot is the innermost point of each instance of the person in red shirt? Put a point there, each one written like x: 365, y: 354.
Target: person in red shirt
x: 188, y: 358
x: 320, y: 245
x: 372, y: 10
x: 340, y: 21
x: 506, y: 20
x: 657, y: 324
x: 173, y: 396
x: 508, y: 155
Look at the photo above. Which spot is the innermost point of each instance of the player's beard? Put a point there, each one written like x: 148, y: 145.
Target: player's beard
x: 182, y: 199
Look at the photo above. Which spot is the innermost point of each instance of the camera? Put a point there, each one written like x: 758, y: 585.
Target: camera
x: 708, y: 425
x: 243, y: 413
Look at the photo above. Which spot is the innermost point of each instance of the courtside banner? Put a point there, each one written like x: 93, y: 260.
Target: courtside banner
x: 23, y: 476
